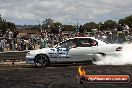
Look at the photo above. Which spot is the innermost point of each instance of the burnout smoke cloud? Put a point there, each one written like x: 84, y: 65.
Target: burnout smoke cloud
x: 123, y: 59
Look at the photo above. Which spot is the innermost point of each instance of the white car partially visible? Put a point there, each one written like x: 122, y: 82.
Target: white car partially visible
x: 78, y: 49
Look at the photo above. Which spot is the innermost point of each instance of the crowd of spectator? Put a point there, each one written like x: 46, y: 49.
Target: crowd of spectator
x: 13, y: 41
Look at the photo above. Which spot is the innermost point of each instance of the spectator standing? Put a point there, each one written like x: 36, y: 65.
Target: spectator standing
x: 43, y: 41
x: 23, y: 45
x: 126, y: 29
x: 10, y: 39
x: 81, y: 30
x: 2, y: 45
x: 30, y: 46
x: 76, y: 29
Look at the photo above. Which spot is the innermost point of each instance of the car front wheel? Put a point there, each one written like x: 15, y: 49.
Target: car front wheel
x: 41, y: 60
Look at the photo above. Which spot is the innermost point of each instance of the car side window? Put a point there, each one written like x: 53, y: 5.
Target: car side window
x: 86, y: 42
x: 68, y: 44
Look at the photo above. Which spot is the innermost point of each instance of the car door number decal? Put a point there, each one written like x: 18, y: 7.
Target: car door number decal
x: 61, y: 53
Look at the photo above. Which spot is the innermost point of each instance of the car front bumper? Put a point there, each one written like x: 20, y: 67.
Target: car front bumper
x: 30, y: 59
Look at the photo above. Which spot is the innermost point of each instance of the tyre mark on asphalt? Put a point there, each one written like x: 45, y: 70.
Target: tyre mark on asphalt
x: 59, y: 79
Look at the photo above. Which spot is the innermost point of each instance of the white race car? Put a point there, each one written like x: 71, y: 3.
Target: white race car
x: 78, y: 49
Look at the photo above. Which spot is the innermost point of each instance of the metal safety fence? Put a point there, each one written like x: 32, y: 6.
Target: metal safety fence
x: 13, y: 56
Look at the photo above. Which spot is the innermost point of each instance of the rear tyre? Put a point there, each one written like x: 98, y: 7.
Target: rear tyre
x: 98, y: 57
x: 41, y: 60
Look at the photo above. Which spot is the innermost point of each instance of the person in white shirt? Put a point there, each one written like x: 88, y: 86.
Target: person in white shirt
x: 2, y: 45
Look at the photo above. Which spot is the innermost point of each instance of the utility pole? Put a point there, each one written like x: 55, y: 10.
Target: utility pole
x: 77, y: 21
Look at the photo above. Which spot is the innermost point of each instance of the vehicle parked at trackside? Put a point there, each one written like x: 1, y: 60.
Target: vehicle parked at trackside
x: 78, y: 49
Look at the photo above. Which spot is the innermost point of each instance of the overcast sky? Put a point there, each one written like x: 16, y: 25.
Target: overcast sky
x: 65, y: 11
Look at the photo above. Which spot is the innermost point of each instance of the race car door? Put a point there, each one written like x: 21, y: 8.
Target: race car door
x: 84, y: 49
x: 63, y: 50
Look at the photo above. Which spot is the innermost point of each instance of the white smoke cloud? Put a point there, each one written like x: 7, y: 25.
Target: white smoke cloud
x: 123, y: 59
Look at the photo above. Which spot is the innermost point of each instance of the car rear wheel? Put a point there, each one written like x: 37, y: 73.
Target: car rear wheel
x: 41, y: 60
x: 98, y: 57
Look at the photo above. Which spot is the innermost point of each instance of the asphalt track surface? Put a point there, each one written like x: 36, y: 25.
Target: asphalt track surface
x: 60, y: 76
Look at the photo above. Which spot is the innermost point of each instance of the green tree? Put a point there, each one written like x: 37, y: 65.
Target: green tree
x: 121, y: 21
x: 3, y: 25
x: 57, y: 25
x: 68, y: 28
x: 101, y: 26
x: 47, y: 24
x: 10, y: 25
x: 89, y: 26
x: 126, y: 20
x: 110, y: 24
x: 6, y: 25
